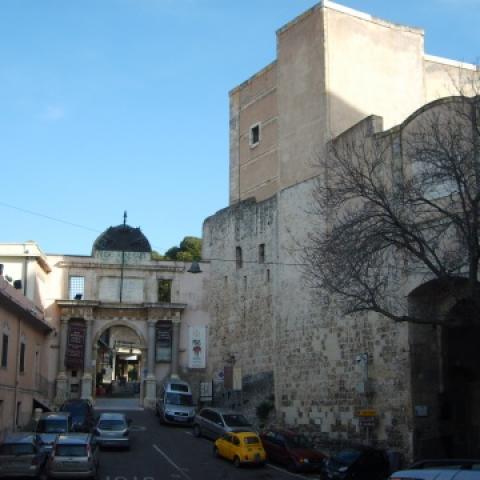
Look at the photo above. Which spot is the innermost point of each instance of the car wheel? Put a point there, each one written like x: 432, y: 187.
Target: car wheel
x: 197, y: 432
x: 216, y: 453
x: 236, y: 462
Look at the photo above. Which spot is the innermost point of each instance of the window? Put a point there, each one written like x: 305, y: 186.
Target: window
x: 254, y: 135
x: 22, y: 357
x: 17, y: 414
x: 163, y: 342
x: 165, y: 291
x: 76, y: 288
x: 4, y: 350
x: 261, y: 253
x: 238, y: 257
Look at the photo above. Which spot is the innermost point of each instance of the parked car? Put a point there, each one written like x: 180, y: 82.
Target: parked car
x: 112, y: 430
x: 292, y: 450
x: 81, y: 411
x: 175, y: 403
x: 359, y: 463
x: 21, y: 455
x: 74, y: 455
x: 50, y: 424
x: 442, y: 469
x: 241, y: 448
x: 215, y: 422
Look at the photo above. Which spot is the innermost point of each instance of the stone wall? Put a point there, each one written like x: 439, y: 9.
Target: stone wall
x: 293, y: 346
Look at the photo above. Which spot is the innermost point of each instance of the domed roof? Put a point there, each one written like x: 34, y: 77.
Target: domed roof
x: 122, y: 238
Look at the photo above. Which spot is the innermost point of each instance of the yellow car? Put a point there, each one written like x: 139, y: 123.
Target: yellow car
x: 241, y: 448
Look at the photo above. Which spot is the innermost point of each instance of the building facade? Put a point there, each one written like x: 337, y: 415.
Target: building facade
x: 344, y: 378
x: 23, y: 357
x: 122, y: 320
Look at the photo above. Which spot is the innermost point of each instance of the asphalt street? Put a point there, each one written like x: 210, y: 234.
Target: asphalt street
x: 160, y: 452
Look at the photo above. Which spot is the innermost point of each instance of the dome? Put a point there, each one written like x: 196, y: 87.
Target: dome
x: 122, y: 238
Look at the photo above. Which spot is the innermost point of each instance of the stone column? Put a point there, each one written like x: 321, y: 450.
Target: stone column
x: 150, y: 381
x: 94, y: 370
x: 87, y: 364
x: 61, y: 393
x: 175, y: 345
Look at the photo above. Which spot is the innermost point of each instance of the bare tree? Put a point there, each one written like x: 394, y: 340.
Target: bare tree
x: 399, y: 203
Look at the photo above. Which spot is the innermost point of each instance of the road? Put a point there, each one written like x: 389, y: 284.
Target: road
x: 160, y: 452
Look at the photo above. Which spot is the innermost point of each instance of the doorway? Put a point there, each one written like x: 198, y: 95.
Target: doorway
x: 119, y: 363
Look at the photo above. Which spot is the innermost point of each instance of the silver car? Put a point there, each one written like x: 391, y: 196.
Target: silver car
x: 74, y: 455
x: 21, y: 455
x: 215, y: 422
x: 112, y: 430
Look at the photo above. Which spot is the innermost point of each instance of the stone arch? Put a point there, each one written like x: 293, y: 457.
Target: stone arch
x: 444, y: 363
x: 121, y: 323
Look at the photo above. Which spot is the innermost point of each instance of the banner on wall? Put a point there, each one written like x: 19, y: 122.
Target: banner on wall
x: 75, y: 346
x: 197, y: 347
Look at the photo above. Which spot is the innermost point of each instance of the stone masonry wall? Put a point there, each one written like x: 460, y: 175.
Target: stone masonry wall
x: 267, y: 321
x: 240, y: 299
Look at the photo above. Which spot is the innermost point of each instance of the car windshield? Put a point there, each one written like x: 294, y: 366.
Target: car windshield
x: 179, y: 399
x: 111, y: 425
x: 251, y: 440
x: 52, y: 426
x: 17, y: 449
x: 298, y: 441
x: 71, y: 451
x: 346, y: 457
x: 235, y: 420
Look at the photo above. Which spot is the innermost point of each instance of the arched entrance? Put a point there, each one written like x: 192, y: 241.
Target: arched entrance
x: 120, y: 361
x: 445, y: 374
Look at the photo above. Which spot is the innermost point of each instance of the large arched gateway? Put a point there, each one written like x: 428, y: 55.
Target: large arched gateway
x: 444, y: 370
x: 127, y: 321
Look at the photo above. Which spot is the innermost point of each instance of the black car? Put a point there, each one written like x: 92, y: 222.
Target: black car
x: 359, y: 463
x: 81, y: 411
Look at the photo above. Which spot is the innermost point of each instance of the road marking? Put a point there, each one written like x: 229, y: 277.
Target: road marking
x: 171, y: 462
x: 189, y: 433
x: 269, y: 465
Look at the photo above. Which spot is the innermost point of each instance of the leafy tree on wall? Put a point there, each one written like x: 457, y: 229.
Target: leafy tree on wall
x: 190, y: 249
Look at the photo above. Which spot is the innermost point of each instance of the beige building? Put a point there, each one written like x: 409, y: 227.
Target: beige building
x: 23, y: 355
x: 325, y: 373
x: 122, y: 321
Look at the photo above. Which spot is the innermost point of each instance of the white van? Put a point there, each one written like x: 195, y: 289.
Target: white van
x: 175, y: 404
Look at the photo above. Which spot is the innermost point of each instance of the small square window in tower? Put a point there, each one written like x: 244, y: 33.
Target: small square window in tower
x: 254, y: 135
x: 164, y: 291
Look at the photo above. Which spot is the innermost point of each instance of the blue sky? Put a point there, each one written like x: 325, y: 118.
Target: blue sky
x: 113, y: 105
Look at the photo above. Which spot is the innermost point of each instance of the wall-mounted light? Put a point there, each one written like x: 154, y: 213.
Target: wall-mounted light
x: 194, y: 268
